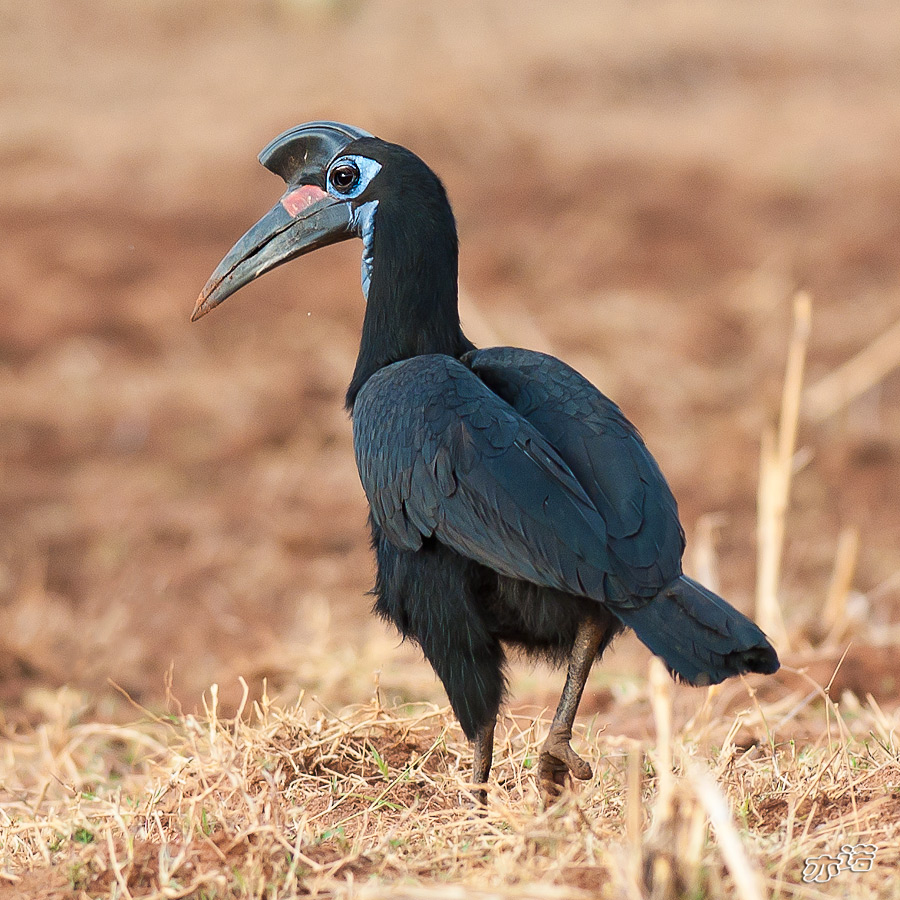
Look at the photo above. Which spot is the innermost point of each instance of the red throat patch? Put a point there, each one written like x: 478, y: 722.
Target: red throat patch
x: 301, y: 198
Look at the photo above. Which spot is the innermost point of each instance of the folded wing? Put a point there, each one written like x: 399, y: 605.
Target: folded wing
x: 440, y: 454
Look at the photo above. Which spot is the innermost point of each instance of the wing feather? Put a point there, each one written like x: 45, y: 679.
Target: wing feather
x: 441, y: 454
x: 606, y: 454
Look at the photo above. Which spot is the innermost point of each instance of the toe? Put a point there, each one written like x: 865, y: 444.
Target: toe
x: 578, y: 767
x: 552, y: 776
x: 557, y: 761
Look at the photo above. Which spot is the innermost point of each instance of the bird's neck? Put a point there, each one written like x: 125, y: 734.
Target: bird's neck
x: 412, y: 303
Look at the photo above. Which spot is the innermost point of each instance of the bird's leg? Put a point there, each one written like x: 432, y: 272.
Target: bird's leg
x: 557, y: 756
x: 483, y: 745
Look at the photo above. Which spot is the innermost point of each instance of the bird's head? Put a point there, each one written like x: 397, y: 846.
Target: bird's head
x: 337, y: 177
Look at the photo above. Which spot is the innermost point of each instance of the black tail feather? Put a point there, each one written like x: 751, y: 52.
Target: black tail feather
x: 699, y: 636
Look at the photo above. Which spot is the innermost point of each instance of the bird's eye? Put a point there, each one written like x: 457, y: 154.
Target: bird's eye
x: 344, y: 177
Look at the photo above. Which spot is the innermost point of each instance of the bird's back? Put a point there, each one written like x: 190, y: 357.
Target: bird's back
x: 606, y: 454
x: 701, y: 637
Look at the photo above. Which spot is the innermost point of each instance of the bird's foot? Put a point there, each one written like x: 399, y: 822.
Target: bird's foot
x: 557, y: 760
x: 477, y: 800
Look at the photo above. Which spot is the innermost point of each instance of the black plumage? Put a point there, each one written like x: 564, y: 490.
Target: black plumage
x: 511, y: 503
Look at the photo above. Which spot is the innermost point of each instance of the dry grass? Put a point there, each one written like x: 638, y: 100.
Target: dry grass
x: 776, y: 471
x: 370, y: 802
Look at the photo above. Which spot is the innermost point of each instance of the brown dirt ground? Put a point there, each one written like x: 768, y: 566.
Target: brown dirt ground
x: 640, y: 188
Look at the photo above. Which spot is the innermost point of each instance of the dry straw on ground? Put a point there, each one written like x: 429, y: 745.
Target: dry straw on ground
x: 371, y: 802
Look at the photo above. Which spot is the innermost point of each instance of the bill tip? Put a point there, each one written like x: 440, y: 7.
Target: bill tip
x: 199, y: 309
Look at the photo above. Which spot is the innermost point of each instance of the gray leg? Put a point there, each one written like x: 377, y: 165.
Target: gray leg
x: 557, y: 756
x: 483, y: 745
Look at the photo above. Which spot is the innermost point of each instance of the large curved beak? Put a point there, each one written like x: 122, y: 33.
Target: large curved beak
x: 305, y: 219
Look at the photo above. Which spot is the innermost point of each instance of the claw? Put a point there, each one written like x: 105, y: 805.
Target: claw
x: 558, y: 760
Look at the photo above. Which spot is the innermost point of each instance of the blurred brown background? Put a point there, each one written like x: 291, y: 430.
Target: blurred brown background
x: 640, y: 188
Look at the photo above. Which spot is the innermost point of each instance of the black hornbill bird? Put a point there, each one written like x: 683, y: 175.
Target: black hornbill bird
x: 512, y: 504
